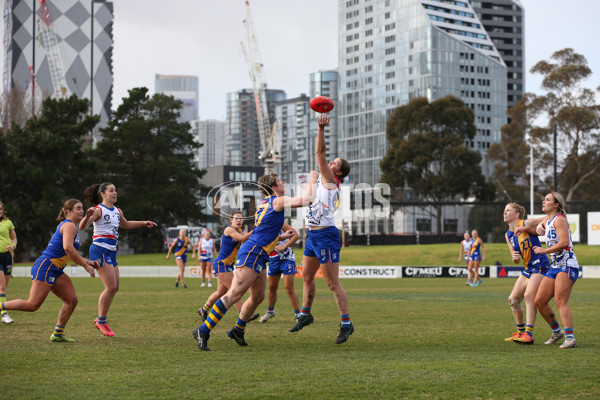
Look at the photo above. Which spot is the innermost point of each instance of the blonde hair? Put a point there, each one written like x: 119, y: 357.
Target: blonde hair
x: 266, y: 183
x: 562, y: 204
x: 519, y: 209
x: 68, y: 206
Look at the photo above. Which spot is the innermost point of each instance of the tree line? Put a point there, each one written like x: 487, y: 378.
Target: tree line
x: 48, y: 157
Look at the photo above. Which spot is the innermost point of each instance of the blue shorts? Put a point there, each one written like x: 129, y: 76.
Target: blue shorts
x: 536, y: 269
x: 476, y: 256
x: 103, y: 255
x: 219, y: 267
x: 572, y: 272
x: 278, y: 267
x: 43, y: 270
x: 324, y: 244
x: 253, y: 257
x: 182, y: 257
x: 204, y: 258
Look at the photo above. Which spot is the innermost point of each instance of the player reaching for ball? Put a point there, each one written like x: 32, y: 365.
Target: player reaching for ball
x: 323, y: 244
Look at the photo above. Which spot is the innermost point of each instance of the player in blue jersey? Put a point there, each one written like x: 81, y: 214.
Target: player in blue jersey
x: 323, y: 244
x: 48, y: 270
x: 282, y: 262
x: 107, y: 220
x: 536, y: 267
x: 475, y: 257
x: 563, y: 272
x: 252, y: 258
x: 179, y: 249
x: 231, y: 240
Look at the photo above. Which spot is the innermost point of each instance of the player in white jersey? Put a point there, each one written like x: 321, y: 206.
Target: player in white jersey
x: 107, y: 220
x: 465, y: 250
x: 564, y: 269
x: 206, y: 249
x: 323, y: 244
x: 282, y: 261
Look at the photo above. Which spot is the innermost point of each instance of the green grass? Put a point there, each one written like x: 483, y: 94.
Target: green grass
x: 428, y: 254
x: 414, y: 338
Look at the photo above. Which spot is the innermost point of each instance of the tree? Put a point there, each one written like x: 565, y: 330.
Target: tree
x: 511, y: 156
x: 577, y: 116
x: 428, y: 153
x: 44, y: 163
x: 145, y: 152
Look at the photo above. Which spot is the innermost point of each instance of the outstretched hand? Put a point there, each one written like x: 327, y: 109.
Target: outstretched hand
x: 323, y: 120
x: 149, y: 224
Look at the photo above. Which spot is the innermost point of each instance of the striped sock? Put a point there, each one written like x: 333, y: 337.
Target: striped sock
x: 305, y: 311
x: 206, y: 308
x: 216, y: 313
x: 2, y: 300
x: 101, y: 320
x: 555, y: 327
x: 58, y: 330
x: 529, y: 330
x: 569, y: 333
x: 297, y: 311
x: 240, y: 325
x: 345, y: 319
x: 520, y: 328
x: 270, y: 309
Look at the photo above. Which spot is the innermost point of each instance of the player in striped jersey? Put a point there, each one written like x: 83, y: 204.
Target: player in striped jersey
x: 179, y: 249
x: 107, y: 220
x: 251, y: 274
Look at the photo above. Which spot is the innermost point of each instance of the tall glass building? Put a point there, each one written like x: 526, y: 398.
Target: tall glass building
x: 84, y: 33
x: 242, y: 146
x: 182, y: 87
x: 294, y: 139
x: 391, y: 51
x: 211, y: 134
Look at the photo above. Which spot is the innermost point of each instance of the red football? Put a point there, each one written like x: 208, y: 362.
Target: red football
x: 321, y: 104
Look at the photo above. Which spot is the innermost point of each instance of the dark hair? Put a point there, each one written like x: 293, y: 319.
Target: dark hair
x: 266, y: 183
x: 344, y: 169
x: 4, y: 217
x: 92, y: 193
x: 68, y: 206
x: 234, y: 212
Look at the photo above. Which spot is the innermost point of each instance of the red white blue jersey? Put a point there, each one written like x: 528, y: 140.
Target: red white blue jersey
x: 466, y: 245
x: 55, y: 250
x: 320, y: 212
x: 564, y: 257
x: 106, y: 228
x: 206, y: 247
x: 287, y: 254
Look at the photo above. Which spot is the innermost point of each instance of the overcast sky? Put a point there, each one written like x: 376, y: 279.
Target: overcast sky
x: 202, y: 38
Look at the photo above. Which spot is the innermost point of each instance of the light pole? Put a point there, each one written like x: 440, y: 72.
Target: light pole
x: 92, y: 56
x: 555, y: 181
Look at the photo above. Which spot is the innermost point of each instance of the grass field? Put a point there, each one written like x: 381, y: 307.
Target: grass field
x: 414, y: 339
x: 429, y: 254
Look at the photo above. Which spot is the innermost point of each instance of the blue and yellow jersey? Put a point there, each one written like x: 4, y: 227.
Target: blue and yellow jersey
x: 476, y: 246
x: 229, y: 249
x: 523, y: 243
x: 55, y: 251
x: 181, y: 246
x: 267, y: 225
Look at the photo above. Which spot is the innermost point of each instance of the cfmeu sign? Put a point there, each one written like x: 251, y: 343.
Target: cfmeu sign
x: 593, y: 219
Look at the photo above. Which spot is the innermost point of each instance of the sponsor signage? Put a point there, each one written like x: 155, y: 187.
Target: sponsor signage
x: 509, y: 272
x: 380, y: 271
x: 593, y: 219
x: 441, y: 272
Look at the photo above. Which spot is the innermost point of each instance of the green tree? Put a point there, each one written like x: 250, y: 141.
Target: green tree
x: 577, y: 116
x: 45, y: 162
x: 145, y: 152
x: 428, y: 153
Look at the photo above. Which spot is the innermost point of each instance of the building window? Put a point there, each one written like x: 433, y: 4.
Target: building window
x: 423, y: 224
x: 450, y: 225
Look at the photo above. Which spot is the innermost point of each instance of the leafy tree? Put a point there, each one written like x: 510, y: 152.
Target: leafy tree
x: 44, y: 163
x: 145, y: 152
x: 428, y: 153
x: 577, y: 116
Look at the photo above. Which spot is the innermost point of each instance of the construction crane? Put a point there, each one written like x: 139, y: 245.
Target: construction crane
x: 269, y: 154
x: 48, y: 32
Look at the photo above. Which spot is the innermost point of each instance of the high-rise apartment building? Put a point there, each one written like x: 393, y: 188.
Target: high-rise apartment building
x: 243, y: 140
x: 393, y: 51
x: 503, y: 21
x: 211, y: 134
x: 182, y: 87
x: 84, y: 36
x: 294, y: 138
